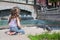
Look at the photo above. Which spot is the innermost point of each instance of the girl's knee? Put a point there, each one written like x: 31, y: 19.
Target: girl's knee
x: 22, y: 31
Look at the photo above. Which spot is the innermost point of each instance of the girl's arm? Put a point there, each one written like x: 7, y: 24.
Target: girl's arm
x: 18, y: 23
x: 9, y: 18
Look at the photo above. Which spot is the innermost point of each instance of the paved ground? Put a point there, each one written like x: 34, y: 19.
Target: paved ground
x: 28, y: 30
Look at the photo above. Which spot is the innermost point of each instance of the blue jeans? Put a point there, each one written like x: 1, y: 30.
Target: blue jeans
x: 15, y: 29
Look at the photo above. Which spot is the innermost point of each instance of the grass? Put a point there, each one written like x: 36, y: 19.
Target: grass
x: 45, y: 36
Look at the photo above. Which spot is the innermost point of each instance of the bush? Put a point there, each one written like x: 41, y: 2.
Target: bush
x: 45, y: 36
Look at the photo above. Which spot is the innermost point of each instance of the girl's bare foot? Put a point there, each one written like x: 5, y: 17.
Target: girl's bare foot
x: 11, y: 33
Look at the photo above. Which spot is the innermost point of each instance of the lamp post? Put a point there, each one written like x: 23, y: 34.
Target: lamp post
x: 26, y: 1
x: 34, y: 2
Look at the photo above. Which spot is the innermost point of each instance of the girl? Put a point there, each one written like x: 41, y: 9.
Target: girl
x: 14, y: 22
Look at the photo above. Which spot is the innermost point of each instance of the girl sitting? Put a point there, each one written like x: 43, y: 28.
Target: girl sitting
x: 14, y: 22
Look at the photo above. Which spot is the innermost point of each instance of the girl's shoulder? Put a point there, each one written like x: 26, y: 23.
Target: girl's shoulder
x: 18, y: 18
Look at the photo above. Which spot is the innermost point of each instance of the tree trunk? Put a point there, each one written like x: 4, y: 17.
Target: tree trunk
x: 59, y: 4
x: 46, y: 2
x: 55, y: 4
x: 52, y: 4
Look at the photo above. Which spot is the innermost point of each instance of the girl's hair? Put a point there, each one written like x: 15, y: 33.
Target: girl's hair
x: 14, y: 13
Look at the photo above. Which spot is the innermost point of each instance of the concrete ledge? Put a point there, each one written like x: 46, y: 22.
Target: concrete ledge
x: 3, y: 27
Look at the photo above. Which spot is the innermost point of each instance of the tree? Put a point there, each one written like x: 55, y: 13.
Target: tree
x: 59, y: 2
x: 54, y: 2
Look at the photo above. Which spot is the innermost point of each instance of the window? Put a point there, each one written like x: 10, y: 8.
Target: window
x: 30, y: 1
x: 22, y: 1
x: 19, y: 1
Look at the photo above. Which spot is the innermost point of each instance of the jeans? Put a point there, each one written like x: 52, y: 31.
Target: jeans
x: 15, y: 29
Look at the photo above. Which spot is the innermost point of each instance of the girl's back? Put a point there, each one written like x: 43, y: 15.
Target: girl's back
x: 13, y: 23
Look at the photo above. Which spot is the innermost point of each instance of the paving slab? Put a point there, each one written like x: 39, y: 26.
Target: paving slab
x: 28, y: 31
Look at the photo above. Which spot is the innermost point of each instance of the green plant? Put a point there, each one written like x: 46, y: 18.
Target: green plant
x: 54, y: 2
x: 45, y: 36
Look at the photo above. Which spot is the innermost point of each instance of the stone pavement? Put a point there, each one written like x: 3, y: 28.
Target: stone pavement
x: 28, y: 30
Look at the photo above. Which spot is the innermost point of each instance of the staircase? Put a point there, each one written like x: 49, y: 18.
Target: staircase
x: 53, y: 15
